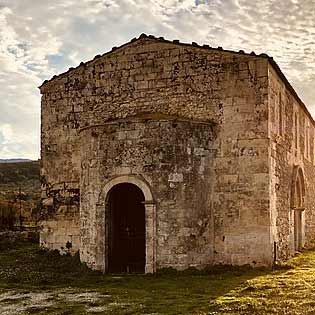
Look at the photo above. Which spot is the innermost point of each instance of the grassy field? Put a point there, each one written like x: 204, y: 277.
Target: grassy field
x: 34, y: 281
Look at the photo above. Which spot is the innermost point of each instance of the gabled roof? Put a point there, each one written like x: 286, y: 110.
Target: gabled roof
x: 194, y: 44
x: 158, y: 39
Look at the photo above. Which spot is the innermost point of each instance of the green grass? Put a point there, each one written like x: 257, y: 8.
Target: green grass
x: 34, y: 281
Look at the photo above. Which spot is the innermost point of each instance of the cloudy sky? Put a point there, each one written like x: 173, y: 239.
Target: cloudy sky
x: 39, y: 38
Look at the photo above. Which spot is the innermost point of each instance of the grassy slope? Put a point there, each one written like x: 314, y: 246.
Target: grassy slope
x: 26, y: 268
x: 24, y: 175
x: 13, y: 176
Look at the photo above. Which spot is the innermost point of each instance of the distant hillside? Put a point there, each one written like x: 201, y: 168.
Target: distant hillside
x: 24, y: 175
x: 19, y: 193
x: 14, y: 160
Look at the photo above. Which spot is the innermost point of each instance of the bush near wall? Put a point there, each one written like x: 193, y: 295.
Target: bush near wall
x: 8, y: 215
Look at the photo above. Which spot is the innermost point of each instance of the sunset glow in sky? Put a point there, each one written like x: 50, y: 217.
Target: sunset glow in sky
x: 40, y: 38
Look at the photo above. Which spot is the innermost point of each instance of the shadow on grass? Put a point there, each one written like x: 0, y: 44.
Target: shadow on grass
x: 26, y: 267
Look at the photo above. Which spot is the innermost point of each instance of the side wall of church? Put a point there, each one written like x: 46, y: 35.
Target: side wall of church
x: 291, y: 132
x: 60, y: 169
x: 241, y: 191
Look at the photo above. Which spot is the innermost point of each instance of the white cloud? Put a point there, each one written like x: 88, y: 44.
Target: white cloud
x: 41, y: 38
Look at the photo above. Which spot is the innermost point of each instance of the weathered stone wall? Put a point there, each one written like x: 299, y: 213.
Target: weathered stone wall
x: 149, y: 77
x: 61, y: 233
x: 60, y: 218
x: 175, y: 158
x: 291, y: 148
x: 60, y: 166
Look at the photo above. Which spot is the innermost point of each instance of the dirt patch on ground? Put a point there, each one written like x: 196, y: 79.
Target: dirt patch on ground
x: 13, y: 303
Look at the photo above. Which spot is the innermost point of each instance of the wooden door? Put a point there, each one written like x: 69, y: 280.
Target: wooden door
x: 127, y: 231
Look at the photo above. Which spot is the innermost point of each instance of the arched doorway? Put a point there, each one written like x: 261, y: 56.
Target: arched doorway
x: 297, y: 205
x: 126, y: 229
x: 105, y: 234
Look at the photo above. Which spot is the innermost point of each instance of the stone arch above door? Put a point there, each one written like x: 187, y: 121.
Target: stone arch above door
x: 131, y: 179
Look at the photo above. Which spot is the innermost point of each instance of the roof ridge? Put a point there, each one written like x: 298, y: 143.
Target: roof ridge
x: 160, y: 39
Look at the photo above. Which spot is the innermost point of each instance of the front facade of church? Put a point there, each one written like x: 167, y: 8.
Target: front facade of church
x: 161, y: 154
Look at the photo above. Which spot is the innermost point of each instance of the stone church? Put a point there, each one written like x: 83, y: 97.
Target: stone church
x: 163, y: 154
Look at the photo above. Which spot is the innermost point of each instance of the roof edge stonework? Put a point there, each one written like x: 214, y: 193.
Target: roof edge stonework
x: 158, y: 39
x: 193, y: 44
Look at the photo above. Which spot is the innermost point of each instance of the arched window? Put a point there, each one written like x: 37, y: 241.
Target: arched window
x: 280, y: 115
x: 306, y: 138
x: 308, y: 141
x: 297, y: 206
x: 296, y: 132
x: 312, y: 145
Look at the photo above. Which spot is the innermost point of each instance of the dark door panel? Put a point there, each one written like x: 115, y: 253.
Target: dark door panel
x: 127, y: 231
